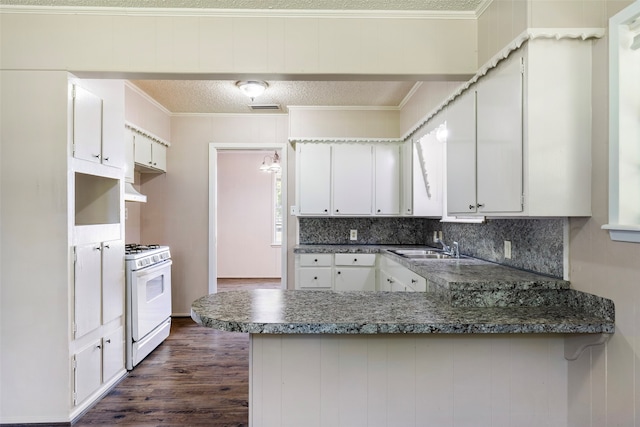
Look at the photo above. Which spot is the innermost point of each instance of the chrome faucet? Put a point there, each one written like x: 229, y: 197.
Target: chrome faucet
x: 453, y: 251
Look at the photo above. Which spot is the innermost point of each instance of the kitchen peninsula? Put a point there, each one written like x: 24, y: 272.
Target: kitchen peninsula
x: 484, y: 344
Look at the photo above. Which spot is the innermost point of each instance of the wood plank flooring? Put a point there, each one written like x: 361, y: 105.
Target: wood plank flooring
x: 197, y: 377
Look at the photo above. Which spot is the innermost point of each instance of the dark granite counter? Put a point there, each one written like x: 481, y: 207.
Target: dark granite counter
x: 464, y: 296
x: 271, y: 311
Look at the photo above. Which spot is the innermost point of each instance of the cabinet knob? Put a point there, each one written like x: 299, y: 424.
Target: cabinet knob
x: 471, y: 206
x: 98, y: 346
x: 315, y: 260
x: 326, y: 210
x: 109, y: 341
x: 413, y: 280
x: 97, y: 156
x: 339, y: 272
x: 97, y: 248
x: 378, y: 210
x: 480, y: 205
x: 107, y: 246
x: 150, y: 162
x: 154, y: 163
x: 337, y: 210
x: 315, y: 278
x: 106, y: 159
x: 355, y: 260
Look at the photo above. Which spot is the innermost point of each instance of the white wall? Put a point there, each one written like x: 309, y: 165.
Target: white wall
x: 245, y: 217
x: 343, y: 122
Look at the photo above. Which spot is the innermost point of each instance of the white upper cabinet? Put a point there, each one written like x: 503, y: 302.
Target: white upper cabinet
x: 387, y: 179
x: 149, y: 154
x: 348, y: 179
x: 461, y: 154
x: 499, y: 138
x: 314, y: 178
x: 519, y: 139
x: 352, y: 179
x: 87, y: 125
x: 98, y: 113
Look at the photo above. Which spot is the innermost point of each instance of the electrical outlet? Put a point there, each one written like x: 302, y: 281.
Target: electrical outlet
x: 507, y: 249
x: 293, y: 210
x: 353, y: 235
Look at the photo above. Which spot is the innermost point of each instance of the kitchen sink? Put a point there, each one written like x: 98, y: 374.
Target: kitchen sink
x: 422, y: 254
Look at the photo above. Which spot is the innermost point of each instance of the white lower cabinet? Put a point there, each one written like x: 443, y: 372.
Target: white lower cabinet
x: 97, y: 363
x: 313, y: 271
x: 355, y: 272
x: 394, y: 277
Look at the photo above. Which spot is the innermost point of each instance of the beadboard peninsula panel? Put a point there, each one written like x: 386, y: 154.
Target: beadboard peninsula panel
x: 408, y: 381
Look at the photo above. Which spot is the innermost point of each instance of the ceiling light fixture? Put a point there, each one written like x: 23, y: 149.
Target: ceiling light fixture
x: 252, y: 88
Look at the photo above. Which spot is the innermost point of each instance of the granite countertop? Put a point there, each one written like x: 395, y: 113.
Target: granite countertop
x: 272, y: 311
x: 463, y: 296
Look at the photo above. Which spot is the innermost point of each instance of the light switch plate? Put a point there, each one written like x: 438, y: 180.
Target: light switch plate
x: 353, y: 235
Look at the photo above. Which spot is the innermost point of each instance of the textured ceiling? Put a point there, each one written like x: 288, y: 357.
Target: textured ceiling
x: 417, y: 5
x: 222, y: 96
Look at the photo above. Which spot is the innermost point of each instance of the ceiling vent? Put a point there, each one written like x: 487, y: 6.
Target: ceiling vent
x: 260, y: 107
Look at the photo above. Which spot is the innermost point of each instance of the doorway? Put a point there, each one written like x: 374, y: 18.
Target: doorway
x: 247, y: 228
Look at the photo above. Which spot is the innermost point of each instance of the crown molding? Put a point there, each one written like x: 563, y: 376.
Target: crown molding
x: 146, y: 133
x: 343, y: 107
x: 239, y: 13
x: 221, y: 115
x: 149, y: 99
x: 409, y: 95
x: 315, y: 139
x: 526, y: 35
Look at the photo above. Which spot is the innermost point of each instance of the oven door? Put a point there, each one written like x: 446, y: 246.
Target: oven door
x: 150, y: 298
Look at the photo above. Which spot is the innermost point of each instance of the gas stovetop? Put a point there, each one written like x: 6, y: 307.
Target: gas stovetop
x: 139, y: 256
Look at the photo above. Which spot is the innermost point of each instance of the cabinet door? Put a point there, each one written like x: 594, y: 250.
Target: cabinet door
x: 87, y: 288
x: 314, y: 179
x: 314, y: 278
x: 159, y: 156
x: 142, y: 150
x: 112, y: 354
x: 499, y: 139
x: 387, y: 179
x: 112, y: 280
x: 461, y: 154
x: 355, y: 279
x: 88, y: 371
x: 129, y: 156
x: 428, y: 185
x: 87, y: 125
x: 352, y: 179
x: 384, y: 281
x: 408, y: 165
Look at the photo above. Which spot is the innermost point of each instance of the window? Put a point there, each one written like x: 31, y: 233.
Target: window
x: 624, y: 125
x: 277, y: 208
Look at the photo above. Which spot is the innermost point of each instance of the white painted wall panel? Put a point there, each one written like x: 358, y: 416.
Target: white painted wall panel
x: 413, y: 380
x: 343, y: 123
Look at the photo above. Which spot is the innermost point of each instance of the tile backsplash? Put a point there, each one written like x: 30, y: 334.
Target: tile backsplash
x: 536, y: 244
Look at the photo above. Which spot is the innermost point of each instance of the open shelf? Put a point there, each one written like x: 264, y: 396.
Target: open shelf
x: 97, y: 200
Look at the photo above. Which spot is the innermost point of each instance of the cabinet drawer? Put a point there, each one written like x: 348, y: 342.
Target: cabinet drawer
x: 315, y: 260
x: 356, y: 259
x: 315, y: 278
x: 413, y: 280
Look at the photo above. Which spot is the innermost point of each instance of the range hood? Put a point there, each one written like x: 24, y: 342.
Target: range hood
x: 132, y: 195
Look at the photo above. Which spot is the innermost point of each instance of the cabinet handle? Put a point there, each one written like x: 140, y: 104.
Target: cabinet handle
x: 97, y: 156
x: 471, y: 206
x: 480, y: 205
x: 413, y: 280
x: 109, y: 341
x: 106, y: 159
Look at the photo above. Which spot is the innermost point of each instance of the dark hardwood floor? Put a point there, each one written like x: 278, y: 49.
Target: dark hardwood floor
x: 196, y: 377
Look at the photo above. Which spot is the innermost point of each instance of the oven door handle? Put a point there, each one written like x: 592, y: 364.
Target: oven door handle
x: 154, y: 268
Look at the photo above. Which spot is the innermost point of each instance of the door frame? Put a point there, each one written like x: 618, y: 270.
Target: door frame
x: 214, y: 148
